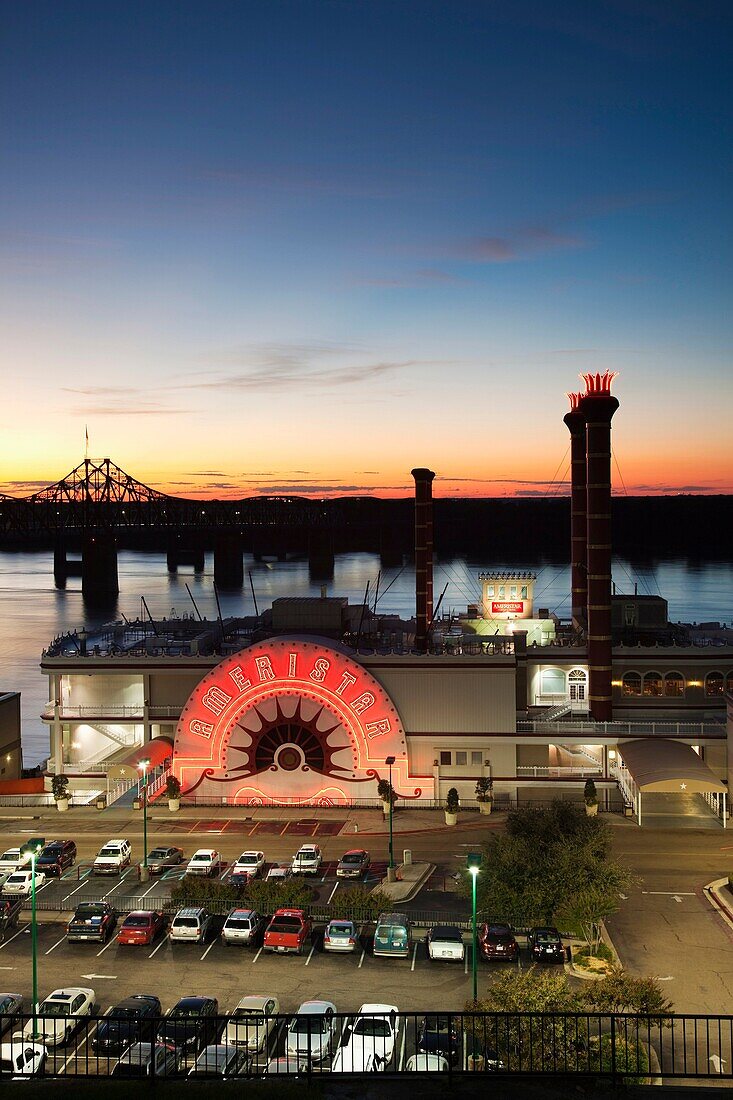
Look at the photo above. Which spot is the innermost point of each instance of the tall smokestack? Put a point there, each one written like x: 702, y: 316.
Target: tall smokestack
x: 575, y: 421
x: 598, y: 407
x: 423, y: 555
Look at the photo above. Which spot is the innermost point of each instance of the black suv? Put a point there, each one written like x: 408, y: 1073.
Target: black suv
x: 191, y: 1024
x: 56, y: 856
x: 545, y: 945
x: 133, y: 1020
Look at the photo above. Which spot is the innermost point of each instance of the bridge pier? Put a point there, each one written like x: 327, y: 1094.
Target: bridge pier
x: 59, y: 562
x: 228, y: 560
x: 320, y: 555
x: 99, y: 578
x: 180, y: 553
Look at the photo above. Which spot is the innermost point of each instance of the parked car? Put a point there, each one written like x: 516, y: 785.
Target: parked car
x: 141, y: 927
x: 279, y: 872
x: 148, y: 1060
x: 285, y: 1067
x: 163, y: 858
x: 56, y: 857
x: 251, y: 862
x: 92, y: 920
x: 133, y: 1020
x: 191, y: 1024
x: 10, y: 910
x: 21, y: 882
x: 252, y: 1023
x: 498, y: 943
x: 441, y: 1034
x: 340, y: 935
x: 222, y: 1061
x: 113, y: 858
x: 545, y: 945
x: 353, y: 864
x: 11, y: 1005
x: 392, y: 935
x: 13, y: 860
x: 240, y: 879
x: 288, y: 931
x: 369, y: 1038
x: 59, y: 1014
x: 427, y: 1063
x: 191, y: 925
x: 206, y: 861
x: 20, y: 1058
x: 313, y: 1032
x: 307, y: 860
x: 243, y: 926
x: 445, y: 941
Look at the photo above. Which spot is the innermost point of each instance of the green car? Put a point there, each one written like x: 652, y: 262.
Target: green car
x: 392, y: 936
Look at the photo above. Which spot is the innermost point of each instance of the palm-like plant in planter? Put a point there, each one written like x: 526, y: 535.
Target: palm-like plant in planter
x: 385, y: 790
x: 590, y: 797
x: 452, y: 806
x: 485, y: 794
x: 59, y: 783
x: 173, y: 793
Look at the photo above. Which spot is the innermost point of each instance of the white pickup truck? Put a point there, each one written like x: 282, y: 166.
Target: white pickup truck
x: 13, y: 860
x: 113, y: 858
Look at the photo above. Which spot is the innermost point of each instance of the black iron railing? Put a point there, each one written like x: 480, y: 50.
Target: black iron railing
x: 620, y: 1047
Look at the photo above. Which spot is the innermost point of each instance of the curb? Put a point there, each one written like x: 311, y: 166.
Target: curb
x: 714, y: 893
x: 415, y: 887
x: 349, y: 826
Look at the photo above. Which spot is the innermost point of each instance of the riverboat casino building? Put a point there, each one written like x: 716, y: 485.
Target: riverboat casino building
x: 303, y: 704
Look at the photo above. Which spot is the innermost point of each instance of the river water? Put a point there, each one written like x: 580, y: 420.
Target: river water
x: 32, y: 611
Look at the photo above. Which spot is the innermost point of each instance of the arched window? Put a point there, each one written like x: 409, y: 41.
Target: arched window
x: 553, y: 681
x: 577, y: 681
x: 632, y: 684
x: 714, y: 684
x: 674, y: 685
x: 653, y: 684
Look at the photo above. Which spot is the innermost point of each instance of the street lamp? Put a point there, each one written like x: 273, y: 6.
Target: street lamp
x: 143, y: 766
x: 390, y: 869
x: 473, y: 862
x: 34, y: 933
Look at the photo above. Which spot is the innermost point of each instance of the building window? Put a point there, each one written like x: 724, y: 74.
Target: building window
x: 445, y: 759
x: 476, y: 758
x: 714, y: 684
x: 524, y: 591
x: 513, y: 592
x: 577, y: 679
x: 461, y: 759
x: 653, y: 684
x: 502, y: 591
x: 631, y: 684
x: 553, y: 681
x: 490, y: 590
x: 674, y: 685
x: 729, y: 683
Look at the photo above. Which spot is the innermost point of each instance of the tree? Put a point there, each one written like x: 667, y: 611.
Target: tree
x: 623, y: 992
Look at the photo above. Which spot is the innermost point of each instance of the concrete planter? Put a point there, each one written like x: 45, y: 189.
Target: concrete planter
x: 174, y: 805
x: 101, y: 803
x: 137, y: 804
x: 385, y: 808
x: 485, y: 807
x: 451, y: 819
x: 62, y: 805
x: 591, y: 809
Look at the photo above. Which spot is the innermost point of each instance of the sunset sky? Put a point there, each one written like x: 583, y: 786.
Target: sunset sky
x: 304, y: 246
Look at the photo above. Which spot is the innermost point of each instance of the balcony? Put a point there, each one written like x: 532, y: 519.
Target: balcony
x: 102, y: 711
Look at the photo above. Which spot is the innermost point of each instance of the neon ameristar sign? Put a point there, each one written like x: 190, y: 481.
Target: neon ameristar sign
x: 284, y: 720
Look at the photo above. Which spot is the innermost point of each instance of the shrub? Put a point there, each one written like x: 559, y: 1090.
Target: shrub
x: 385, y: 790
x: 589, y: 793
x: 266, y: 897
x: 220, y: 896
x: 484, y: 789
x: 452, y: 801
x: 59, y: 783
x: 359, y: 903
x: 172, y: 787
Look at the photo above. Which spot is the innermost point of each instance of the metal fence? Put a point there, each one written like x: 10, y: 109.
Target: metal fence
x: 622, y: 1047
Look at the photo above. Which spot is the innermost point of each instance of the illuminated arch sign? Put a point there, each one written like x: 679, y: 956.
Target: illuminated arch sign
x: 290, y: 721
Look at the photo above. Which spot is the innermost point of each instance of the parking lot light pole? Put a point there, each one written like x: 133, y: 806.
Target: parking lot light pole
x: 144, y: 873
x: 391, y: 874
x: 34, y: 937
x: 473, y: 863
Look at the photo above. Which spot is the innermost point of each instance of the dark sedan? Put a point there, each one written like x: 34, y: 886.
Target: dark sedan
x: 11, y: 1005
x: 191, y: 1024
x: 545, y: 945
x: 220, y: 1061
x: 162, y: 859
x: 497, y: 943
x: 131, y: 1021
x: 353, y: 864
x: 440, y: 1035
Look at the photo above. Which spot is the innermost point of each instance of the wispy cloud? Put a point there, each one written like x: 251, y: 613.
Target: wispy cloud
x: 520, y: 244
x: 428, y: 276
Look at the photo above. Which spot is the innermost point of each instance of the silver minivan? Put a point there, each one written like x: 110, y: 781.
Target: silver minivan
x: 190, y: 925
x: 242, y: 926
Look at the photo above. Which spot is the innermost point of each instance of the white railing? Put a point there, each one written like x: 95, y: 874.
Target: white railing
x: 626, y: 783
x: 717, y: 801
x: 568, y: 771
x: 158, y: 784
x: 111, y: 710
x: 622, y: 729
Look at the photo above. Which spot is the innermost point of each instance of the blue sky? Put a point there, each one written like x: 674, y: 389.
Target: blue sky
x: 260, y: 241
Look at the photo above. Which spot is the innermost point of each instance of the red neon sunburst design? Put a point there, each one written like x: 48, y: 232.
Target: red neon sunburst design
x: 269, y: 745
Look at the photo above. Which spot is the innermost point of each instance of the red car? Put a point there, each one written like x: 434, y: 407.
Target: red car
x: 141, y: 927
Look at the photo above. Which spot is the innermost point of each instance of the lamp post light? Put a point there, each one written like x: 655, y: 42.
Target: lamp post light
x: 391, y: 875
x: 144, y: 873
x: 34, y: 935
x: 473, y: 862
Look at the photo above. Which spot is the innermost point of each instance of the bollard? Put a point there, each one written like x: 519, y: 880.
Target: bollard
x: 407, y: 856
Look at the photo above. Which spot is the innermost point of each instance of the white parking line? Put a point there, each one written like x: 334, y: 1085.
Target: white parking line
x: 332, y: 893
x: 55, y: 946
x: 207, y: 950
x: 414, y: 956
x: 119, y: 882
x: 465, y: 961
x: 402, y: 1049
x: 81, y: 886
x: 254, y: 960
x: 112, y: 939
x: 149, y: 890
x: 361, y: 960
x: 156, y: 949
x: 311, y: 955
x: 18, y: 933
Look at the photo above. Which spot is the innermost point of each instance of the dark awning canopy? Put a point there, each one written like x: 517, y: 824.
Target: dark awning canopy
x: 656, y: 764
